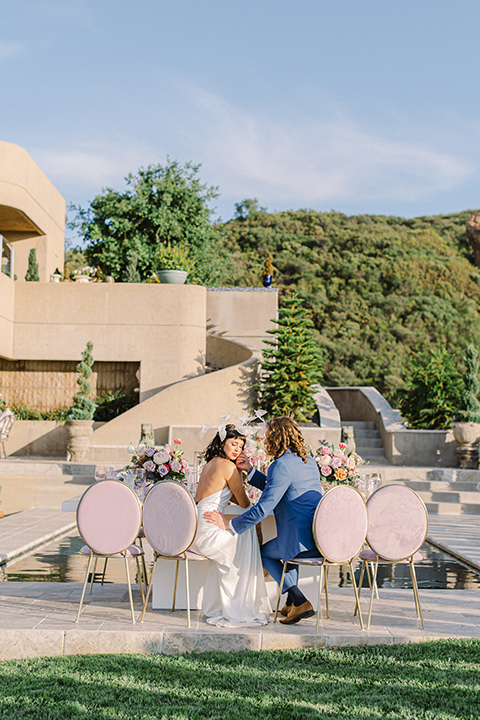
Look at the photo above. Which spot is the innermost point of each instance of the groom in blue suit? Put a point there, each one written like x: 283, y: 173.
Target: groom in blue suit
x: 292, y: 491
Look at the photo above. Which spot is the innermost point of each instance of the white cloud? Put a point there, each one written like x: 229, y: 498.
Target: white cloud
x: 312, y: 160
x: 10, y: 50
x: 90, y: 167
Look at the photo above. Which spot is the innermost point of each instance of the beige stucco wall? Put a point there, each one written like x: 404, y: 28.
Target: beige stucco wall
x: 32, y: 212
x: 242, y: 314
x: 7, y: 314
x: 160, y: 326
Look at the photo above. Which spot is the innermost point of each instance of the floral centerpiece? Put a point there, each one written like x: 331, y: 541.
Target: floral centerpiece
x: 165, y: 462
x: 338, y: 466
x: 85, y: 273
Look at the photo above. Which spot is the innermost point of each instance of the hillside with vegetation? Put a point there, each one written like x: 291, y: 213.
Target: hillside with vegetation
x: 380, y: 289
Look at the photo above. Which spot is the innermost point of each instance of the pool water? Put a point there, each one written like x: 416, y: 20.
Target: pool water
x: 59, y: 561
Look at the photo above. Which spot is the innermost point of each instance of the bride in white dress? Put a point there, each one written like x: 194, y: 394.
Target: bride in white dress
x: 235, y: 593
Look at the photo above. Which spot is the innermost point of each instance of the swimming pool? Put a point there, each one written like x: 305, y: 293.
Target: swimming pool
x: 59, y: 561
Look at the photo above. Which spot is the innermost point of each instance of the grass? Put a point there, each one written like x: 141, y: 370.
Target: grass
x: 434, y: 680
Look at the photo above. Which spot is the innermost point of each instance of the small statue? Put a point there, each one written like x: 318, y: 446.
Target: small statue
x: 348, y: 438
x: 146, y: 435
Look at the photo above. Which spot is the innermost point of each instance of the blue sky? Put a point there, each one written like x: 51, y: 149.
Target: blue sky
x: 361, y: 106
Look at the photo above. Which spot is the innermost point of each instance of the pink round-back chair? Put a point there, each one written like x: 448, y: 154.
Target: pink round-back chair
x: 109, y: 518
x: 397, y: 528
x: 339, y: 529
x: 170, y: 523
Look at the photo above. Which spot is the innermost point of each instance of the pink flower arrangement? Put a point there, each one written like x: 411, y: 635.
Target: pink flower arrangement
x: 254, y: 449
x: 337, y: 465
x: 161, y: 463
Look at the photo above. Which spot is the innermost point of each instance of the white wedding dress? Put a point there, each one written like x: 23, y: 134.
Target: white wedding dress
x: 235, y: 593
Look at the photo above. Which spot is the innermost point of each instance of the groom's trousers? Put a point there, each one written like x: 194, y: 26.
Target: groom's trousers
x: 273, y: 564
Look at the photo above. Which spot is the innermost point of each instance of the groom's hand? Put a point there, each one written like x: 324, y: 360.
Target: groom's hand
x: 242, y: 462
x: 216, y: 518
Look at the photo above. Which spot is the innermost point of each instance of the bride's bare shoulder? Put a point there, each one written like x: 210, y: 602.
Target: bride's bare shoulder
x: 219, y: 464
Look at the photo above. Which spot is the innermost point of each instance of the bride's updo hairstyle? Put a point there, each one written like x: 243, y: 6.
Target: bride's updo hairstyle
x: 283, y: 434
x: 215, y: 448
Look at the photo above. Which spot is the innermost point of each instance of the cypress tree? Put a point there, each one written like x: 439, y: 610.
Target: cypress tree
x: 84, y: 407
x: 291, y: 363
x: 469, y: 410
x: 32, y: 270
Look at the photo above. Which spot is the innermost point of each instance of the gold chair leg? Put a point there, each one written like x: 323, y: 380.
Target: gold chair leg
x: 139, y: 573
x: 319, y: 611
x: 89, y: 562
x: 93, y: 574
x: 148, y: 590
x: 127, y: 573
x: 415, y: 592
x: 187, y: 590
x: 280, y: 587
x: 357, y: 596
x: 143, y: 562
x: 375, y: 586
x: 372, y: 594
x: 325, y: 576
x: 360, y: 583
x: 175, y: 587
x: 104, y: 570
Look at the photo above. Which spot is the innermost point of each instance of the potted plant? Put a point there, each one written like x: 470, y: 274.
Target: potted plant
x: 84, y: 274
x: 267, y: 272
x: 79, y: 425
x: 173, y: 263
x: 466, y: 428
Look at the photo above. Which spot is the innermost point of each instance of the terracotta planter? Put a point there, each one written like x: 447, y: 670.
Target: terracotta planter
x: 172, y: 277
x: 78, y: 439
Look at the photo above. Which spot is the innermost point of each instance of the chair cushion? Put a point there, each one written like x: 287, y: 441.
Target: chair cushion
x: 397, y: 522
x: 169, y: 518
x: 132, y: 551
x: 340, y: 524
x: 369, y: 556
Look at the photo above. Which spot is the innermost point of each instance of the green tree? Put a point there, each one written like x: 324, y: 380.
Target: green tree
x: 469, y: 408
x: 32, y: 270
x: 84, y: 407
x: 161, y: 204
x: 432, y: 392
x: 291, y: 363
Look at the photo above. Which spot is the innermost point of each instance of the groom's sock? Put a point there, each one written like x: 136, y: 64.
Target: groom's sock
x: 295, y: 596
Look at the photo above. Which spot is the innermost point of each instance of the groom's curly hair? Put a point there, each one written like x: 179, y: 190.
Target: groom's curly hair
x: 283, y: 434
x: 215, y: 448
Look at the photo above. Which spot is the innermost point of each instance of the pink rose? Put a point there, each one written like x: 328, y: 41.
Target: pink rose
x: 325, y: 450
x: 184, y: 465
x: 149, y: 452
x: 336, y: 463
x: 350, y: 463
x: 149, y: 466
x: 326, y: 470
x: 325, y: 460
x: 162, y: 470
x: 161, y: 457
x: 175, y: 466
x: 169, y: 449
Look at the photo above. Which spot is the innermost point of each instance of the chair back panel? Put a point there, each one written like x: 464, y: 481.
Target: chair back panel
x: 340, y: 523
x: 397, y: 522
x: 109, y: 517
x: 169, y: 518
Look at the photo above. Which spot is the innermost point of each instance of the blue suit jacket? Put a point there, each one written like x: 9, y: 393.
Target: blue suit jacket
x: 292, y: 491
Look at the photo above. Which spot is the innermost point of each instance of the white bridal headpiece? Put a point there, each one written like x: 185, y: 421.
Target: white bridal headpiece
x: 242, y: 425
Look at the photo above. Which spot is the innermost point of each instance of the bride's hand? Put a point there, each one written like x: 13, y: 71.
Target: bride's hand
x: 216, y: 518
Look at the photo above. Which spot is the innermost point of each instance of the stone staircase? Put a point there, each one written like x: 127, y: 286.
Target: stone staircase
x: 368, y: 441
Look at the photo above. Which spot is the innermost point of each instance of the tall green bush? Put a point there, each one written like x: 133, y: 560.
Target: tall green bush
x: 291, y: 363
x: 469, y: 408
x: 433, y: 391
x: 83, y: 407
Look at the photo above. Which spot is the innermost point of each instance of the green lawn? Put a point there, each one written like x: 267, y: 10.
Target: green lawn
x: 437, y: 680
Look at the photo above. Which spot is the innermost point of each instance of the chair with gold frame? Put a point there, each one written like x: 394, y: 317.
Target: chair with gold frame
x: 339, y: 529
x: 397, y: 528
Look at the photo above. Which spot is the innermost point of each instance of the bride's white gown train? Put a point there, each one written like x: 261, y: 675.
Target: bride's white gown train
x: 235, y: 593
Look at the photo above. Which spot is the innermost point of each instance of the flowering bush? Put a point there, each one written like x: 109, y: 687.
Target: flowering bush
x: 162, y: 463
x: 338, y: 466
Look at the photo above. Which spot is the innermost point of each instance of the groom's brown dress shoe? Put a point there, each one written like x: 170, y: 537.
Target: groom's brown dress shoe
x: 285, y: 610
x: 305, y: 610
